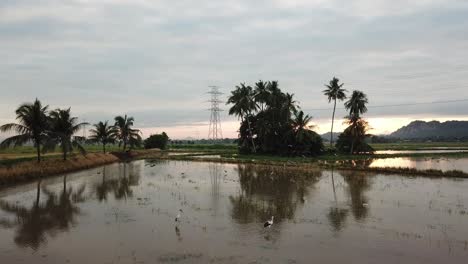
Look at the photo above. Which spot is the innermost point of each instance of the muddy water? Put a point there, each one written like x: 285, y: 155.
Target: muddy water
x: 124, y: 213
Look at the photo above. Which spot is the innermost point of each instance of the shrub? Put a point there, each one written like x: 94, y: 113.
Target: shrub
x: 157, y: 141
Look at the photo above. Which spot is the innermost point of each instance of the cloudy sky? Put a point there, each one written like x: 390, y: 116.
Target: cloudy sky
x: 155, y: 59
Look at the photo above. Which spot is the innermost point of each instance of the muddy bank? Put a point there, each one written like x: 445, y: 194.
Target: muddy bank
x: 29, y: 170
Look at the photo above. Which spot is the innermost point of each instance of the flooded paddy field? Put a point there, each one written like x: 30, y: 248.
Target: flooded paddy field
x: 420, y: 163
x: 125, y: 213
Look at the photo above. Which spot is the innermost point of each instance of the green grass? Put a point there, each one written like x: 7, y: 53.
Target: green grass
x: 204, y: 147
x: 32, y: 150
x: 419, y: 145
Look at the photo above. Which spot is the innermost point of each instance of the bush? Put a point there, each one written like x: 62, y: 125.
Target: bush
x: 157, y: 141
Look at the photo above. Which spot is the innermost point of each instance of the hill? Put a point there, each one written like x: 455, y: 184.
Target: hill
x: 433, y: 130
x: 326, y: 136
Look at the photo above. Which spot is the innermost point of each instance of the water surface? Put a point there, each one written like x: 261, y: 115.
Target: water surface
x: 124, y: 213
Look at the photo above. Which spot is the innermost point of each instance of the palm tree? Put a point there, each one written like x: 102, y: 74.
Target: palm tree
x: 103, y: 133
x: 356, y: 105
x: 243, y: 102
x: 290, y: 104
x: 125, y: 133
x: 32, y: 126
x: 63, y: 127
x: 261, y: 94
x: 300, y: 125
x: 334, y: 92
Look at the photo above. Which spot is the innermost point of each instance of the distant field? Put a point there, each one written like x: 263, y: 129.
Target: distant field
x: 230, y: 147
x: 419, y: 145
x: 28, y: 152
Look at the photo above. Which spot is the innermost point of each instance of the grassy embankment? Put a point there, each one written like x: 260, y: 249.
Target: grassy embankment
x: 25, y: 167
x: 348, y: 162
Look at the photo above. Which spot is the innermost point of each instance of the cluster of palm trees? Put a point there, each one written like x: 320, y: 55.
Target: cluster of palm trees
x: 352, y: 140
x: 48, y: 129
x: 271, y: 121
x: 121, y: 132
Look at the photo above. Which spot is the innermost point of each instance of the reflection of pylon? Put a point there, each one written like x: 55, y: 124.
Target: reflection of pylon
x: 215, y: 132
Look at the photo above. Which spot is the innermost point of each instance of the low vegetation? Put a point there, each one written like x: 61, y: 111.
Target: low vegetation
x: 30, y: 169
x: 159, y: 141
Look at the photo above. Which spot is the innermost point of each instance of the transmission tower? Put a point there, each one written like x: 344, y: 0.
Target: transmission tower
x: 215, y: 131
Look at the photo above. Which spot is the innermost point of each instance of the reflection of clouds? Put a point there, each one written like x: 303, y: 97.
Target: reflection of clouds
x: 424, y: 163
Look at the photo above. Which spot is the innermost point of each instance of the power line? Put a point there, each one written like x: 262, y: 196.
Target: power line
x: 396, y: 105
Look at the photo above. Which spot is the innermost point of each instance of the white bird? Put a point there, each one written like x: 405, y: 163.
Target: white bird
x: 178, y: 215
x: 268, y: 223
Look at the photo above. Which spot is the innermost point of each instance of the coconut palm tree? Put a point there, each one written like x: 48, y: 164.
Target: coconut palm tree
x: 261, y: 94
x: 244, y: 104
x: 356, y: 105
x: 301, y: 125
x: 32, y: 126
x: 103, y: 133
x: 334, y: 92
x: 125, y: 133
x: 63, y: 127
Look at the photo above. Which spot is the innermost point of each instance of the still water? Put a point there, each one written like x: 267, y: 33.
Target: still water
x: 124, y: 213
x: 443, y: 164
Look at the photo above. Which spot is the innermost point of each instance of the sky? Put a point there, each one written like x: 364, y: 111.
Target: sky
x: 154, y: 60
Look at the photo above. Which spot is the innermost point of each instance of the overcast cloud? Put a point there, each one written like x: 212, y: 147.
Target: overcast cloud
x: 155, y: 59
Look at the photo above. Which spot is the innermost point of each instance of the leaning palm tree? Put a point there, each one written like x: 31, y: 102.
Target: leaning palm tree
x: 334, y: 92
x: 63, y: 127
x: 125, y: 133
x: 32, y: 126
x: 103, y: 133
x: 356, y: 105
x: 243, y: 102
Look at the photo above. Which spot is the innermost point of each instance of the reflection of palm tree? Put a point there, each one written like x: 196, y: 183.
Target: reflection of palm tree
x: 63, y: 207
x: 337, y: 218
x: 32, y: 222
x: 130, y: 177
x: 121, y: 186
x: 103, y: 188
x: 358, y: 182
x: 270, y: 191
x: 57, y: 214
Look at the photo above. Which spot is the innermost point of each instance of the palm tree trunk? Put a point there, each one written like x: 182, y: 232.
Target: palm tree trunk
x: 352, y: 147
x: 333, y: 120
x: 251, y: 136
x: 64, y: 149
x: 38, y: 148
x: 104, y: 148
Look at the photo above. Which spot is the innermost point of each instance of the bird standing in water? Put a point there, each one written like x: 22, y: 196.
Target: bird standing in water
x: 268, y: 223
x: 177, y: 219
